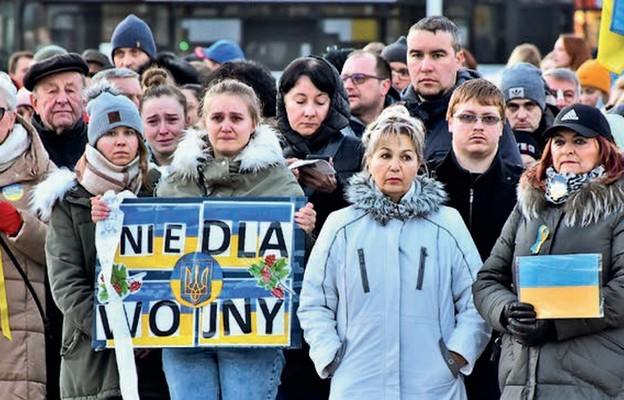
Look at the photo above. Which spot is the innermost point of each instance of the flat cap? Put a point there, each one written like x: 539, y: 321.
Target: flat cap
x: 54, y: 65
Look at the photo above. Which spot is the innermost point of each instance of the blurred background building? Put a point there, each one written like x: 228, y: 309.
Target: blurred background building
x: 275, y: 32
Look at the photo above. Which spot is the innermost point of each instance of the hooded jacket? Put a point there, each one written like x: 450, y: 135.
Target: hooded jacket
x: 382, y: 274
x: 585, y: 359
x: 433, y: 114
x: 347, y: 158
x: 23, y: 366
x: 259, y: 169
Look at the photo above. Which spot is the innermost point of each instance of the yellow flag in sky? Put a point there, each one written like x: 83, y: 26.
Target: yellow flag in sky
x: 611, y: 40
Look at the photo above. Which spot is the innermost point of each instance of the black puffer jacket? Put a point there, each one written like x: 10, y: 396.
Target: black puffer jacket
x: 347, y: 159
x: 433, y: 114
x: 585, y: 359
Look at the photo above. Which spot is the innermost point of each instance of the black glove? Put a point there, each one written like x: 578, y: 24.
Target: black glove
x: 532, y: 332
x: 517, y: 310
x: 520, y: 320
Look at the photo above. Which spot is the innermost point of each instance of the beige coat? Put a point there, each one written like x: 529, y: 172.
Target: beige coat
x: 22, y: 361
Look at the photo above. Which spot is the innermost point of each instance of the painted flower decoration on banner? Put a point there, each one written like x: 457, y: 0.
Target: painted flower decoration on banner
x: 123, y: 284
x: 270, y: 272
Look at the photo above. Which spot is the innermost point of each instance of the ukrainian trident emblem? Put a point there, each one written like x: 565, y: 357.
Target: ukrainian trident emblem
x: 196, y: 280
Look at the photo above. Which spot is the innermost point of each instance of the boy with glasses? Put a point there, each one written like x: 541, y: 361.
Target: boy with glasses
x: 481, y: 185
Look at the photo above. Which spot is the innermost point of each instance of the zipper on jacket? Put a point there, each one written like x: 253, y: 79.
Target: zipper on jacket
x: 421, y: 268
x: 470, y: 208
x: 363, y: 273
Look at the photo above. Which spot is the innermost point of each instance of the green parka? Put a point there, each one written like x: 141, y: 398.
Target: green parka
x: 259, y: 170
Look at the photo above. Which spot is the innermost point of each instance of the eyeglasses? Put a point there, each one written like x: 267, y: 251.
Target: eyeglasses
x: 2, y: 112
x: 402, y: 73
x: 359, y: 79
x: 471, y: 119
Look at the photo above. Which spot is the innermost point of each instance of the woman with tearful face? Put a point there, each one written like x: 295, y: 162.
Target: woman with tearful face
x: 235, y: 156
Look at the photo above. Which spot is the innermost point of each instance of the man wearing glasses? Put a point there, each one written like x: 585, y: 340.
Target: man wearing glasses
x: 396, y: 55
x: 366, y: 78
x: 434, y: 60
x: 481, y: 185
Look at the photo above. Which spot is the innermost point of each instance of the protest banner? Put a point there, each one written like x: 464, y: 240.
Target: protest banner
x: 206, y: 272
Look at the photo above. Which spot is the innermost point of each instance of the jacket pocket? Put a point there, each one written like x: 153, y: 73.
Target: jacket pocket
x: 363, y: 273
x: 69, y: 346
x: 421, y: 268
x: 448, y: 358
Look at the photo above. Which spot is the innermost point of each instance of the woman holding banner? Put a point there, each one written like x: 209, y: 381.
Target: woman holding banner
x: 386, y: 304
x: 571, y: 203
x: 115, y: 159
x: 236, y: 156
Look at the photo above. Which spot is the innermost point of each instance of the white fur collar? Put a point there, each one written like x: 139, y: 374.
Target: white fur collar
x: 15, y: 144
x: 262, y: 151
x: 48, y: 192
x: 591, y: 203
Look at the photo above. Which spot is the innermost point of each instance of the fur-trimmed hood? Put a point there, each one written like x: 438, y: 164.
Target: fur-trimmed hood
x: 47, y: 193
x: 425, y: 197
x: 262, y: 151
x: 586, y: 206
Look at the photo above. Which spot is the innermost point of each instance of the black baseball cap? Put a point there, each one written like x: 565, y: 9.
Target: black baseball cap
x: 585, y: 120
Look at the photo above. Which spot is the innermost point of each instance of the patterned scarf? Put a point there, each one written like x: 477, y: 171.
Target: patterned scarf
x: 560, y: 186
x: 99, y: 175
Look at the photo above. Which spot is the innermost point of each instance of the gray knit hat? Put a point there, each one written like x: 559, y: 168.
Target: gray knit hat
x: 108, y: 111
x: 524, y: 81
x: 396, y: 51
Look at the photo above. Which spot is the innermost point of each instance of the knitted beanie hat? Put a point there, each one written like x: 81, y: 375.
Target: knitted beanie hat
x: 223, y: 51
x: 396, y: 51
x: 524, y: 81
x: 8, y: 91
x: 108, y: 111
x: 133, y: 32
x: 592, y: 73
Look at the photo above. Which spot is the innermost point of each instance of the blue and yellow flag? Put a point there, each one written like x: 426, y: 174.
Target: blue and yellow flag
x: 561, y: 286
x: 611, y: 39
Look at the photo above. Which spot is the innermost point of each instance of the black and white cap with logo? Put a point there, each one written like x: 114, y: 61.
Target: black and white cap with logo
x: 585, y: 120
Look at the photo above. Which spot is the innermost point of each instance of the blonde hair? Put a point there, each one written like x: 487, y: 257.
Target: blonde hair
x: 394, y: 120
x: 237, y: 88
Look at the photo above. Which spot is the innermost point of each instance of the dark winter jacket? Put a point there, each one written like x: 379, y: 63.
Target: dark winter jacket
x: 64, y: 149
x: 347, y: 159
x: 585, y: 359
x: 484, y: 201
x: 433, y: 114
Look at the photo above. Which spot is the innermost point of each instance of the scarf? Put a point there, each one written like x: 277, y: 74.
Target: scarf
x: 16, y: 143
x: 560, y: 186
x: 98, y: 175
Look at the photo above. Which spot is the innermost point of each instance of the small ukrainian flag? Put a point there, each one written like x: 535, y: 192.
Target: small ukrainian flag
x: 561, y: 286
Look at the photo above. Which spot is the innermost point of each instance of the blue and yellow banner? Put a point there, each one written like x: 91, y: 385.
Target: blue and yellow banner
x: 561, y: 286
x: 611, y: 37
x: 203, y: 272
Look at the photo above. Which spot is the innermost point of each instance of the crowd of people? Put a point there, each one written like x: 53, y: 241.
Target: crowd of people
x: 442, y: 179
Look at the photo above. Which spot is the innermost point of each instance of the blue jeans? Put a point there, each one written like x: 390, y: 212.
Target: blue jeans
x: 226, y: 374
